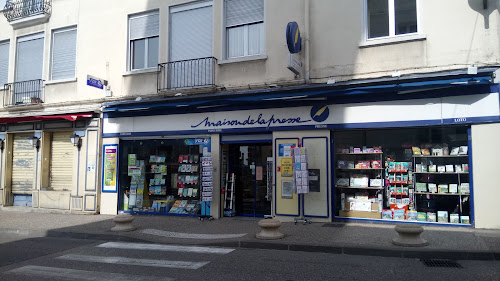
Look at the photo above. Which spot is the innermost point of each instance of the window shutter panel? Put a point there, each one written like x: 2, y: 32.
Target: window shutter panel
x: 240, y: 12
x: 29, y: 60
x: 191, y: 34
x: 64, y: 55
x: 4, y: 63
x: 143, y: 26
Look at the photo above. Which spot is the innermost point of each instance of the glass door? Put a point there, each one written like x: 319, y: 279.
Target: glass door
x: 249, y: 164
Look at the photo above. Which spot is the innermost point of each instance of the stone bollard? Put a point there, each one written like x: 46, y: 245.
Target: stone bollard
x: 269, y: 229
x: 409, y: 236
x: 123, y: 222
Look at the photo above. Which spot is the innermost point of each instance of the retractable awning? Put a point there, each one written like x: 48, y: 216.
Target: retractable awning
x: 69, y: 117
x: 452, y: 83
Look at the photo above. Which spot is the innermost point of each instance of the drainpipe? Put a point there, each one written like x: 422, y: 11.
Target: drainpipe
x: 307, y: 42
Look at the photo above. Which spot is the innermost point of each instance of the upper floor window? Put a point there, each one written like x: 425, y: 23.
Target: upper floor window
x: 144, y: 30
x: 390, y: 18
x: 63, y: 61
x: 244, y: 27
x: 4, y: 63
x: 2, y: 4
x: 29, y: 57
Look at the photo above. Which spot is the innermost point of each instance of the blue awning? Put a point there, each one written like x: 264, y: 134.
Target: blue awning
x: 418, y: 86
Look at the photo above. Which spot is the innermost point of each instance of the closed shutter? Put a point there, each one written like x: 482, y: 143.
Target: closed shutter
x: 144, y: 26
x: 23, y: 164
x: 4, y: 63
x: 61, y: 161
x: 191, y: 38
x: 240, y: 12
x: 64, y: 54
x: 29, y: 64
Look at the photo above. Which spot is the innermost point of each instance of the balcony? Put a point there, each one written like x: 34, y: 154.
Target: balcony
x: 23, y: 93
x: 24, y: 13
x: 186, y: 74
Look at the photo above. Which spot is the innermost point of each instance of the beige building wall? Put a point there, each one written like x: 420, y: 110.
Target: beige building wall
x: 485, y: 155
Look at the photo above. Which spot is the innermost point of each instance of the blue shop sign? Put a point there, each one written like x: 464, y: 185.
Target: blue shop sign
x: 95, y: 82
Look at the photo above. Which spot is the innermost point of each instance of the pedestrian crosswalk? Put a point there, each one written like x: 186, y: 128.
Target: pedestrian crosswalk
x: 119, y: 254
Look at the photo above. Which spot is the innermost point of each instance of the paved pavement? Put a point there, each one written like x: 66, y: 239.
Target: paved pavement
x: 373, y: 239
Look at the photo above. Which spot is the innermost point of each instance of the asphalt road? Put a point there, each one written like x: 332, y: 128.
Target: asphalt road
x: 43, y: 259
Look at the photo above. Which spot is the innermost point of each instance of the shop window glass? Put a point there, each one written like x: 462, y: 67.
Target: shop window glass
x: 416, y: 174
x: 162, y: 176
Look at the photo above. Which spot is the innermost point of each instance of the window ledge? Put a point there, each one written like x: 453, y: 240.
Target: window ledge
x: 243, y: 59
x: 392, y: 40
x: 140, y: 71
x: 60, y: 81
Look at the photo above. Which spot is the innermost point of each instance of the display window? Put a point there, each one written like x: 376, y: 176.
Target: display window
x: 164, y: 176
x: 412, y: 174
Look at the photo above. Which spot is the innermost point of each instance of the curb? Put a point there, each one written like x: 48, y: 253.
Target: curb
x: 404, y: 252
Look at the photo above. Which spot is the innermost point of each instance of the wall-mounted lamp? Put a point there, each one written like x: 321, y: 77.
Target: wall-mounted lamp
x: 35, y: 142
x: 76, y: 140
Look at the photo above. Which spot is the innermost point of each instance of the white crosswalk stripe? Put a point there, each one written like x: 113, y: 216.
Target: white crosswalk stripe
x: 85, y: 275
x: 168, y: 248
x: 137, y: 262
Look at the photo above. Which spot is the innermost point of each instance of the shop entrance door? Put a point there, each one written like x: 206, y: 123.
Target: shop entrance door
x: 249, y: 164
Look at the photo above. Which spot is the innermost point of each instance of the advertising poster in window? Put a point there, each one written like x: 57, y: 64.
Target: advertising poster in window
x: 110, y: 167
x: 286, y: 189
x: 286, y: 167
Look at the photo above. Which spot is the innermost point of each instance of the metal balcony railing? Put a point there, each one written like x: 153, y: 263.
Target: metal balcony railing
x: 186, y: 74
x: 20, y: 9
x: 23, y: 93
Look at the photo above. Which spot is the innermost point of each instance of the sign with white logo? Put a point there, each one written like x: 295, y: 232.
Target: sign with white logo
x: 96, y: 82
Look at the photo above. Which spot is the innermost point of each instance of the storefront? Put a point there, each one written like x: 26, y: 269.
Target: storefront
x: 50, y: 162
x: 398, y: 150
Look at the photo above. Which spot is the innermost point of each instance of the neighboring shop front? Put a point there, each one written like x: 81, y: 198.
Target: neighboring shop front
x: 391, y: 150
x: 50, y: 162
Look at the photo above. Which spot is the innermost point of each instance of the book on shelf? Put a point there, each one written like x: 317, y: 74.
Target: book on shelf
x: 453, y: 188
x: 441, y: 168
x: 432, y: 187
x: 387, y: 214
x: 399, y: 214
x: 464, y: 188
x: 454, y: 218
x: 416, y: 150
x: 465, y: 168
x: 432, y: 168
x: 454, y: 150
x: 350, y: 164
x: 425, y: 151
x: 421, y: 187
x: 431, y: 217
x: 458, y: 169
x: 443, y: 188
x: 463, y: 150
x: 442, y: 216
x: 342, y: 182
x: 465, y: 219
x: 421, y: 216
x: 449, y: 169
x: 412, y: 215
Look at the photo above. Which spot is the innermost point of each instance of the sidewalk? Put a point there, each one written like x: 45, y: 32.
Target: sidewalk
x: 342, y: 238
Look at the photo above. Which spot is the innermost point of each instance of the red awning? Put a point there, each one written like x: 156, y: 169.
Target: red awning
x: 70, y: 117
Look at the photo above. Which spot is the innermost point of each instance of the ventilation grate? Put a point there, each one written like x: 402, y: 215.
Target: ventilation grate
x: 441, y: 263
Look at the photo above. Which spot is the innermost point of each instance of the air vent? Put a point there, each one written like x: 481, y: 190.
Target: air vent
x: 76, y: 203
x: 441, y: 263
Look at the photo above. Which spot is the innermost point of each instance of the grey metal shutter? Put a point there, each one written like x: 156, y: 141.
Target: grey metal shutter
x: 29, y: 64
x: 239, y: 12
x: 64, y: 54
x: 23, y: 164
x: 61, y: 161
x: 4, y: 63
x: 191, y: 34
x: 143, y: 26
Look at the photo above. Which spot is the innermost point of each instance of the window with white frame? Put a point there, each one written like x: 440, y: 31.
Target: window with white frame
x: 63, y: 57
x: 390, y: 18
x: 4, y: 63
x: 244, y: 27
x: 144, y: 30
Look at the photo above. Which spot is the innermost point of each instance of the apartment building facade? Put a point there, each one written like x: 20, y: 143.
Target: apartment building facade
x: 207, y: 101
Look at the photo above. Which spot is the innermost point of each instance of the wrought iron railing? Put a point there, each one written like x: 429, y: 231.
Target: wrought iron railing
x: 20, y: 9
x: 23, y: 93
x: 186, y: 74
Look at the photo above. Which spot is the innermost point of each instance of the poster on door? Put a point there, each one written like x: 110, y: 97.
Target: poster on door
x: 109, y: 165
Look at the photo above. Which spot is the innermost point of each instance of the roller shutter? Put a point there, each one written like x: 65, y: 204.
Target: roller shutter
x: 23, y: 164
x: 61, y: 161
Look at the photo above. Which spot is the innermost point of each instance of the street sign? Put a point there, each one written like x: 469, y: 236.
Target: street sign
x: 96, y: 82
